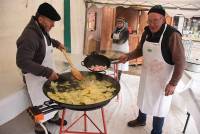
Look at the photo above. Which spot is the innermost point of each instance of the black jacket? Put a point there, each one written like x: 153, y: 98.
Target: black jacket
x: 31, y: 50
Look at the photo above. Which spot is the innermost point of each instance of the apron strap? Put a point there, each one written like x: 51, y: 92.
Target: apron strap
x: 162, y: 34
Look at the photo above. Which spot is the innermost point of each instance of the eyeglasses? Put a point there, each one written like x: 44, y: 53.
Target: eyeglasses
x: 154, y: 21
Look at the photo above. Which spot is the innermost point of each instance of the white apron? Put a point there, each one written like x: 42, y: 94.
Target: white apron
x: 35, y: 83
x: 155, y: 75
x: 122, y: 48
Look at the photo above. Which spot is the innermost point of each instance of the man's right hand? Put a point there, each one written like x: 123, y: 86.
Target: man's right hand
x: 123, y: 58
x: 53, y: 76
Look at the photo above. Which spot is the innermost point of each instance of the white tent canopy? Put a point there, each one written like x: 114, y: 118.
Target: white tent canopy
x: 187, y: 8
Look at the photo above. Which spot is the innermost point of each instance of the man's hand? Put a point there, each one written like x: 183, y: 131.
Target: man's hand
x: 53, y: 76
x: 61, y: 47
x: 123, y: 58
x: 169, y: 90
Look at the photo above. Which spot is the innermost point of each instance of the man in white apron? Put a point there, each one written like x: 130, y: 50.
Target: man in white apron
x: 35, y: 57
x: 120, y: 42
x: 163, y: 65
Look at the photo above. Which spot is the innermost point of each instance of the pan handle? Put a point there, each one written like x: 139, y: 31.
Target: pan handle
x: 115, y: 61
x: 82, y: 63
x: 94, y: 53
x: 48, y: 103
x: 50, y: 106
x: 47, y: 107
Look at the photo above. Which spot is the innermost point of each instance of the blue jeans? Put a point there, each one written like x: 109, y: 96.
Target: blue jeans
x: 157, y: 122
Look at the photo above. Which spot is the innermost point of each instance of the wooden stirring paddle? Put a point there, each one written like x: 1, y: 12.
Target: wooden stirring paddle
x: 75, y: 72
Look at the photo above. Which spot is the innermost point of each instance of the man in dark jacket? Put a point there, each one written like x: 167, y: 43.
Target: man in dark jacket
x: 164, y: 62
x: 34, y: 56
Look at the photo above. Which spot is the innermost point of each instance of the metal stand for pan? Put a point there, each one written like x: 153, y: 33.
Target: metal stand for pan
x: 85, y: 131
x: 116, y: 71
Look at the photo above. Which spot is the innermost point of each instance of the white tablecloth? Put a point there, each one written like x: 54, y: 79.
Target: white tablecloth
x: 192, y: 98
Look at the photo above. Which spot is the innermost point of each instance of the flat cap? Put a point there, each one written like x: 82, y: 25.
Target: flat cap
x: 47, y: 10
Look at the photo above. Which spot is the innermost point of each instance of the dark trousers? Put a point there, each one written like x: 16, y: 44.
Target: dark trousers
x: 157, y: 122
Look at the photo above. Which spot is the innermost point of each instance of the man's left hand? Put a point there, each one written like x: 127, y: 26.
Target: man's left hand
x: 61, y: 47
x: 169, y: 90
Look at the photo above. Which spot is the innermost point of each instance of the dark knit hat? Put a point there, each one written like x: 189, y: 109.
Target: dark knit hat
x: 47, y: 10
x: 157, y: 9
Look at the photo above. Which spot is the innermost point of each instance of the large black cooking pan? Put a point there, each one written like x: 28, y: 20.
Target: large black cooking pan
x: 96, y: 59
x: 68, y: 77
